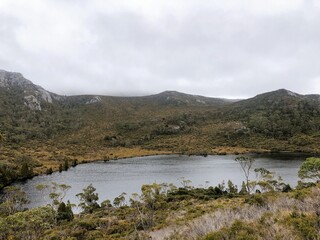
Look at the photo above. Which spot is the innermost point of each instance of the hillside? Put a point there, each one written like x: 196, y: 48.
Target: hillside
x: 280, y: 114
x: 51, y: 129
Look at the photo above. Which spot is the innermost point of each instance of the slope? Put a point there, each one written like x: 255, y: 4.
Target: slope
x: 52, y: 129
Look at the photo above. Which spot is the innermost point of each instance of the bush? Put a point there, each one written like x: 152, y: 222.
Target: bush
x: 64, y: 212
x: 49, y: 171
x: 310, y: 169
x: 87, y: 224
x: 29, y: 224
x: 239, y: 230
x: 255, y: 199
x: 306, y: 226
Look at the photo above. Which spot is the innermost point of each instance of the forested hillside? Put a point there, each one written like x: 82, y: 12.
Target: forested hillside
x: 44, y: 130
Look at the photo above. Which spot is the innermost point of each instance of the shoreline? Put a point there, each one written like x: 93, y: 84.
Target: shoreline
x: 268, y: 152
x: 104, y: 155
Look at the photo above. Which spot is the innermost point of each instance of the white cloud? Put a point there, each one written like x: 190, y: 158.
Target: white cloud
x: 216, y: 48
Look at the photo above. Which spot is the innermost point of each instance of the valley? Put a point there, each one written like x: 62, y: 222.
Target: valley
x: 49, y: 129
x: 42, y: 132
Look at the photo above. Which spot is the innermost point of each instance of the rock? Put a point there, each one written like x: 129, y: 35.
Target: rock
x: 33, y: 94
x: 95, y: 99
x: 44, y: 95
x: 32, y: 102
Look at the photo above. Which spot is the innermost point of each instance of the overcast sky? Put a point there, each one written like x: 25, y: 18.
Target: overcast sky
x: 226, y: 48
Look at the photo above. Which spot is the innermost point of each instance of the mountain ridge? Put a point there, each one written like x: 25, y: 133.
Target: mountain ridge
x: 91, y: 127
x: 15, y: 79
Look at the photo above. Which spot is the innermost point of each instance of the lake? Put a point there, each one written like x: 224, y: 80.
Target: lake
x: 128, y: 175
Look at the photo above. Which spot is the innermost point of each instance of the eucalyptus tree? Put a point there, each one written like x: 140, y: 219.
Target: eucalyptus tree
x: 13, y: 200
x: 88, y: 199
x: 246, y: 164
x: 310, y: 169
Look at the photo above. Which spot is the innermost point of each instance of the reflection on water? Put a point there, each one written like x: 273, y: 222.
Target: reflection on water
x: 127, y: 175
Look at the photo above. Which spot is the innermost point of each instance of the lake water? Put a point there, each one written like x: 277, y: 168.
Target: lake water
x: 128, y: 175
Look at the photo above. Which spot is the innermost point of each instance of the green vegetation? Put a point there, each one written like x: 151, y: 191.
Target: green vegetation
x: 295, y: 225
x: 71, y: 130
x: 64, y: 212
x: 1, y: 138
x: 164, y: 211
x: 310, y: 169
x: 88, y: 199
x: 74, y: 130
x: 13, y: 201
x: 30, y: 224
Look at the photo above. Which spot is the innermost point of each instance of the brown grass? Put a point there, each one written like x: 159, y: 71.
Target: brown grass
x: 214, y: 221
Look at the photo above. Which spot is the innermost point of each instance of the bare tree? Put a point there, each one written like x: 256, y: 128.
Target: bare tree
x: 246, y: 164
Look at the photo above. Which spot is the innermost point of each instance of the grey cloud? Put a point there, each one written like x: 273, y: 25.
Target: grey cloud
x: 210, y: 49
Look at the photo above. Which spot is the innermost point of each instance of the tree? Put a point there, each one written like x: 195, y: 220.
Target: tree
x: 88, y: 199
x: 243, y: 188
x: 310, y: 169
x: 1, y: 138
x: 26, y: 171
x: 66, y: 165
x: 74, y: 162
x: 152, y: 199
x: 232, y: 189
x: 64, y: 212
x: 106, y: 204
x: 246, y: 164
x: 120, y: 200
x: 266, y: 180
x: 7, y: 175
x: 13, y: 200
x: 186, y: 183
x: 57, y: 192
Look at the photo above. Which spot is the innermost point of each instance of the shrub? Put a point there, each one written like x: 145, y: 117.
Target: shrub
x: 306, y: 226
x: 29, y: 224
x: 255, y: 199
x: 64, y: 212
x: 310, y: 169
x: 239, y: 230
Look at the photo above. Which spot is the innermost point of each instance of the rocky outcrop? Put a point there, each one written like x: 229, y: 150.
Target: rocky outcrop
x: 11, y: 79
x: 33, y: 94
x: 32, y: 102
x: 93, y: 100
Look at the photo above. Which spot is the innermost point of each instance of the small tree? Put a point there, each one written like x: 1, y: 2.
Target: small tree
x: 266, y: 180
x: 246, y: 164
x: 243, y: 188
x: 66, y: 165
x: 88, y: 199
x: 74, y: 162
x: 1, y: 138
x: 186, y: 183
x: 232, y: 189
x: 106, y: 204
x: 13, y: 200
x: 152, y: 199
x: 57, y: 192
x: 64, y: 212
x: 120, y: 200
x: 26, y: 171
x: 310, y: 169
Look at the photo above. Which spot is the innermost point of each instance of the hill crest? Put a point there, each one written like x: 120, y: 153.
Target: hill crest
x: 33, y: 95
